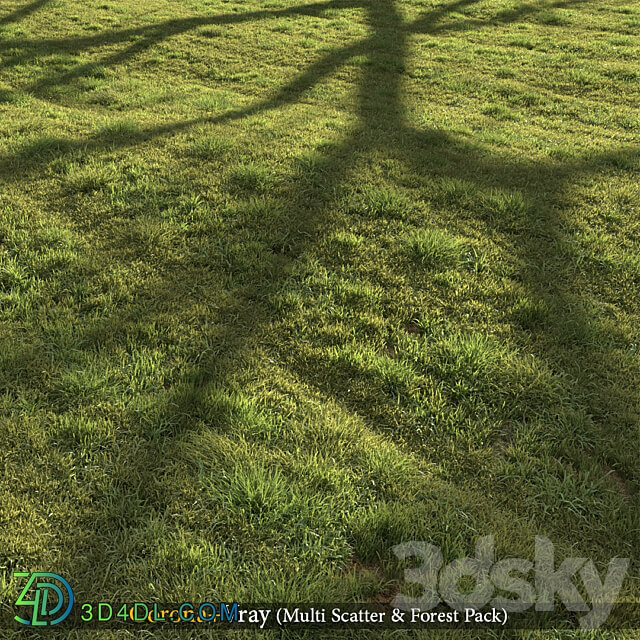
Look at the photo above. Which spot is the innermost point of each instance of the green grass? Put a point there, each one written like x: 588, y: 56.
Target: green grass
x: 283, y: 285
x: 432, y: 248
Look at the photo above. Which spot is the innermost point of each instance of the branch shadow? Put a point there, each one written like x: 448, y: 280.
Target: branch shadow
x: 146, y: 37
x: 23, y: 12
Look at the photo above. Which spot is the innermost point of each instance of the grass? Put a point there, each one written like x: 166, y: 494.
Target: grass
x: 284, y: 285
x: 432, y: 248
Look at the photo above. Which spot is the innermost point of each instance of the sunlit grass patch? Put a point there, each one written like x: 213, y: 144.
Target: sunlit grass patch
x: 509, y: 209
x: 506, y: 72
x: 251, y: 178
x: 375, y: 368
x: 119, y: 130
x: 379, y: 202
x: 211, y: 147
x: 584, y: 77
x: 13, y: 276
x: 213, y: 101
x: 500, y: 112
x: 623, y: 73
x: 522, y: 42
x: 456, y: 192
x: 87, y: 178
x: 436, y: 249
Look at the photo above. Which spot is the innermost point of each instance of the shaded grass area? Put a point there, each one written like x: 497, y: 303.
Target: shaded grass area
x: 285, y: 285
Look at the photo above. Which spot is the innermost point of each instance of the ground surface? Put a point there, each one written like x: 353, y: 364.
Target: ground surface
x: 284, y: 284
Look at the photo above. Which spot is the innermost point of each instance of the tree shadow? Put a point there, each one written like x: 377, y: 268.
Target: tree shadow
x: 145, y: 38
x: 23, y: 12
x: 141, y: 38
x: 380, y: 109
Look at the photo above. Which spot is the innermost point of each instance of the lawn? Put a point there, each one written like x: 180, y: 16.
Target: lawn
x: 285, y: 283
